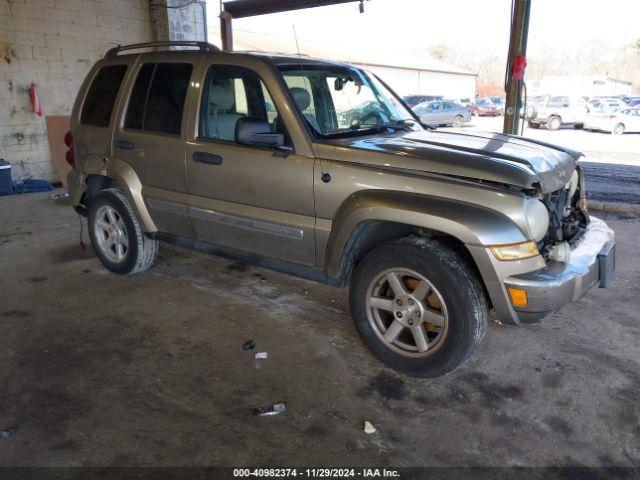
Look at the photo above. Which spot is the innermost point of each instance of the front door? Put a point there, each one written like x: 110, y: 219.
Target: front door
x: 257, y: 200
x: 152, y: 138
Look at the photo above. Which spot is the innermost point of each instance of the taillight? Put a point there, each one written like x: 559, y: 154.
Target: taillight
x: 70, y: 156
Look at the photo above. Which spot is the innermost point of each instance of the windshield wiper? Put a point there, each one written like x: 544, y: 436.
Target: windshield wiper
x: 399, y: 125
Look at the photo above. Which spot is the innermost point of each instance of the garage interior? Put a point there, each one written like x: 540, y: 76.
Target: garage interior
x: 150, y: 370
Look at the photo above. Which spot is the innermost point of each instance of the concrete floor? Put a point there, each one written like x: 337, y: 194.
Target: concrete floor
x: 99, y: 369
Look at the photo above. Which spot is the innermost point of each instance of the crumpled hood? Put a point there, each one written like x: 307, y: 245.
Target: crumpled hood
x: 476, y: 155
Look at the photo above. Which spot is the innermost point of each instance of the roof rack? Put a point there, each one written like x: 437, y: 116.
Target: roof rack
x: 203, y: 46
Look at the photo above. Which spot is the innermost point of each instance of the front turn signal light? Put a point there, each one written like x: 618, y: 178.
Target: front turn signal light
x: 518, y: 297
x: 515, y: 251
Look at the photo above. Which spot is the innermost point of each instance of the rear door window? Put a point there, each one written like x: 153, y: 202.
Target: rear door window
x: 157, y: 98
x: 98, y: 105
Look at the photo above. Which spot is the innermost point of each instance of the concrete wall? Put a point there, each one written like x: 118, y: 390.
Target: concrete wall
x: 407, y: 82
x: 53, y: 43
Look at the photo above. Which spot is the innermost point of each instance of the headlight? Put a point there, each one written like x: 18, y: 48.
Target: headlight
x: 515, y: 251
x: 537, y: 217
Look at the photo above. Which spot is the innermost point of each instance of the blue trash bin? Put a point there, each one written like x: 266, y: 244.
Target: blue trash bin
x: 6, y: 185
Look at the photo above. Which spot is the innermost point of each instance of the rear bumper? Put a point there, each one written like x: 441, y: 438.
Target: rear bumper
x: 548, y: 289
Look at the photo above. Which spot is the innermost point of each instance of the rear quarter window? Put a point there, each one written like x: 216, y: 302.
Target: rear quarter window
x: 157, y: 98
x: 101, y: 97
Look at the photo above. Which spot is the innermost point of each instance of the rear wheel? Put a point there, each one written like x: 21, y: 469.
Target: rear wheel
x: 116, y: 235
x: 418, y: 307
x: 533, y: 124
x: 554, y: 123
x: 618, y: 129
x: 457, y: 121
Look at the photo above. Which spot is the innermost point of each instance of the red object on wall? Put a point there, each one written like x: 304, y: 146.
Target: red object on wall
x: 36, y: 106
x: 519, y: 65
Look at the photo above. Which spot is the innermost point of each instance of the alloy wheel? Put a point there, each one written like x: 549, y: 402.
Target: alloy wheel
x: 407, y: 312
x: 111, y: 234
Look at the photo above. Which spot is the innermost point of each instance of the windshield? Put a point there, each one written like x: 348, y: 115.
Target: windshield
x: 342, y: 101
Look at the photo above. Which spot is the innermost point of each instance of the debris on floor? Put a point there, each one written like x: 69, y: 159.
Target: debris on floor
x: 369, y: 428
x: 498, y: 322
x: 8, y: 432
x: 271, y: 410
x: 261, y: 355
x: 249, y: 345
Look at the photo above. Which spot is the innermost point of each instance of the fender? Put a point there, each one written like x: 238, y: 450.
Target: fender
x: 471, y: 224
x: 121, y: 172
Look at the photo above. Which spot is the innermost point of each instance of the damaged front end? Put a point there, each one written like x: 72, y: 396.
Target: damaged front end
x: 568, y: 218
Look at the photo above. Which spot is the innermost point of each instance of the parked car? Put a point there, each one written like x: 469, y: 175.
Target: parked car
x: 430, y: 229
x: 464, y: 101
x: 556, y: 111
x: 486, y: 108
x: 413, y: 100
x: 604, y: 104
x: 498, y: 102
x: 443, y: 112
x: 531, y: 103
x: 618, y: 122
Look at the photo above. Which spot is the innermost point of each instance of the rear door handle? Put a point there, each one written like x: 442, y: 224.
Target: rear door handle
x: 125, y: 145
x: 208, y: 158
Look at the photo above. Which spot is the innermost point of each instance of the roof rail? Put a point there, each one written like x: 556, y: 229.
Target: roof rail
x: 203, y: 46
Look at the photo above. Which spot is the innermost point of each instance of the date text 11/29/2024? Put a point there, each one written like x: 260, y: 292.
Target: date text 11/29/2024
x: 315, y: 473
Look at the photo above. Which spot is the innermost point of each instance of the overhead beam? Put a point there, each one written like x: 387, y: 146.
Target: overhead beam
x: 517, y: 46
x: 250, y: 8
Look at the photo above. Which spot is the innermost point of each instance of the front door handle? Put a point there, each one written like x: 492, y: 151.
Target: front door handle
x: 208, y: 158
x: 125, y: 145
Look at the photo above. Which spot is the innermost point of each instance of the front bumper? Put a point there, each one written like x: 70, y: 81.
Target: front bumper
x: 548, y: 289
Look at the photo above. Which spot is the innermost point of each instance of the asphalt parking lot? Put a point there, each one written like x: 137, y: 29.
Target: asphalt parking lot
x: 150, y: 370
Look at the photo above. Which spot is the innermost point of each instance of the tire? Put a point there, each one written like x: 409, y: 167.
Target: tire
x: 531, y: 112
x: 618, y: 129
x: 457, y: 121
x: 554, y: 123
x: 533, y: 124
x: 111, y: 207
x: 456, y: 301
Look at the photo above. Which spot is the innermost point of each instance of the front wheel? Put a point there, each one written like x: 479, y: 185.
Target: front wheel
x: 618, y: 129
x: 457, y: 121
x: 418, y: 307
x: 116, y: 235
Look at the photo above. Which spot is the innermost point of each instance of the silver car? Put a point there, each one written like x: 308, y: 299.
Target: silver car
x: 625, y: 120
x: 443, y: 112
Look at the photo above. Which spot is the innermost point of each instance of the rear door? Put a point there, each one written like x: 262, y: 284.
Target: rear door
x: 151, y: 136
x: 253, y: 199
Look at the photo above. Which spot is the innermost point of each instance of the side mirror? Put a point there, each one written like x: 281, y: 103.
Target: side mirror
x: 257, y: 133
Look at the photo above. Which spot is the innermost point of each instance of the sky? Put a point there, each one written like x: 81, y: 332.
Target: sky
x: 474, y: 24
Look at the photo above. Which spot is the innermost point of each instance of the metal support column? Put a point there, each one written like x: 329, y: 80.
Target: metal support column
x: 226, y: 30
x: 517, y: 46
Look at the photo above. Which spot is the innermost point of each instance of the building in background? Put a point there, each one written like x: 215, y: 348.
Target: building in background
x: 404, y: 72
x: 583, y: 85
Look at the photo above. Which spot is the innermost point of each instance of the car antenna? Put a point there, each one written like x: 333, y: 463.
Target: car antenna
x: 295, y: 36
